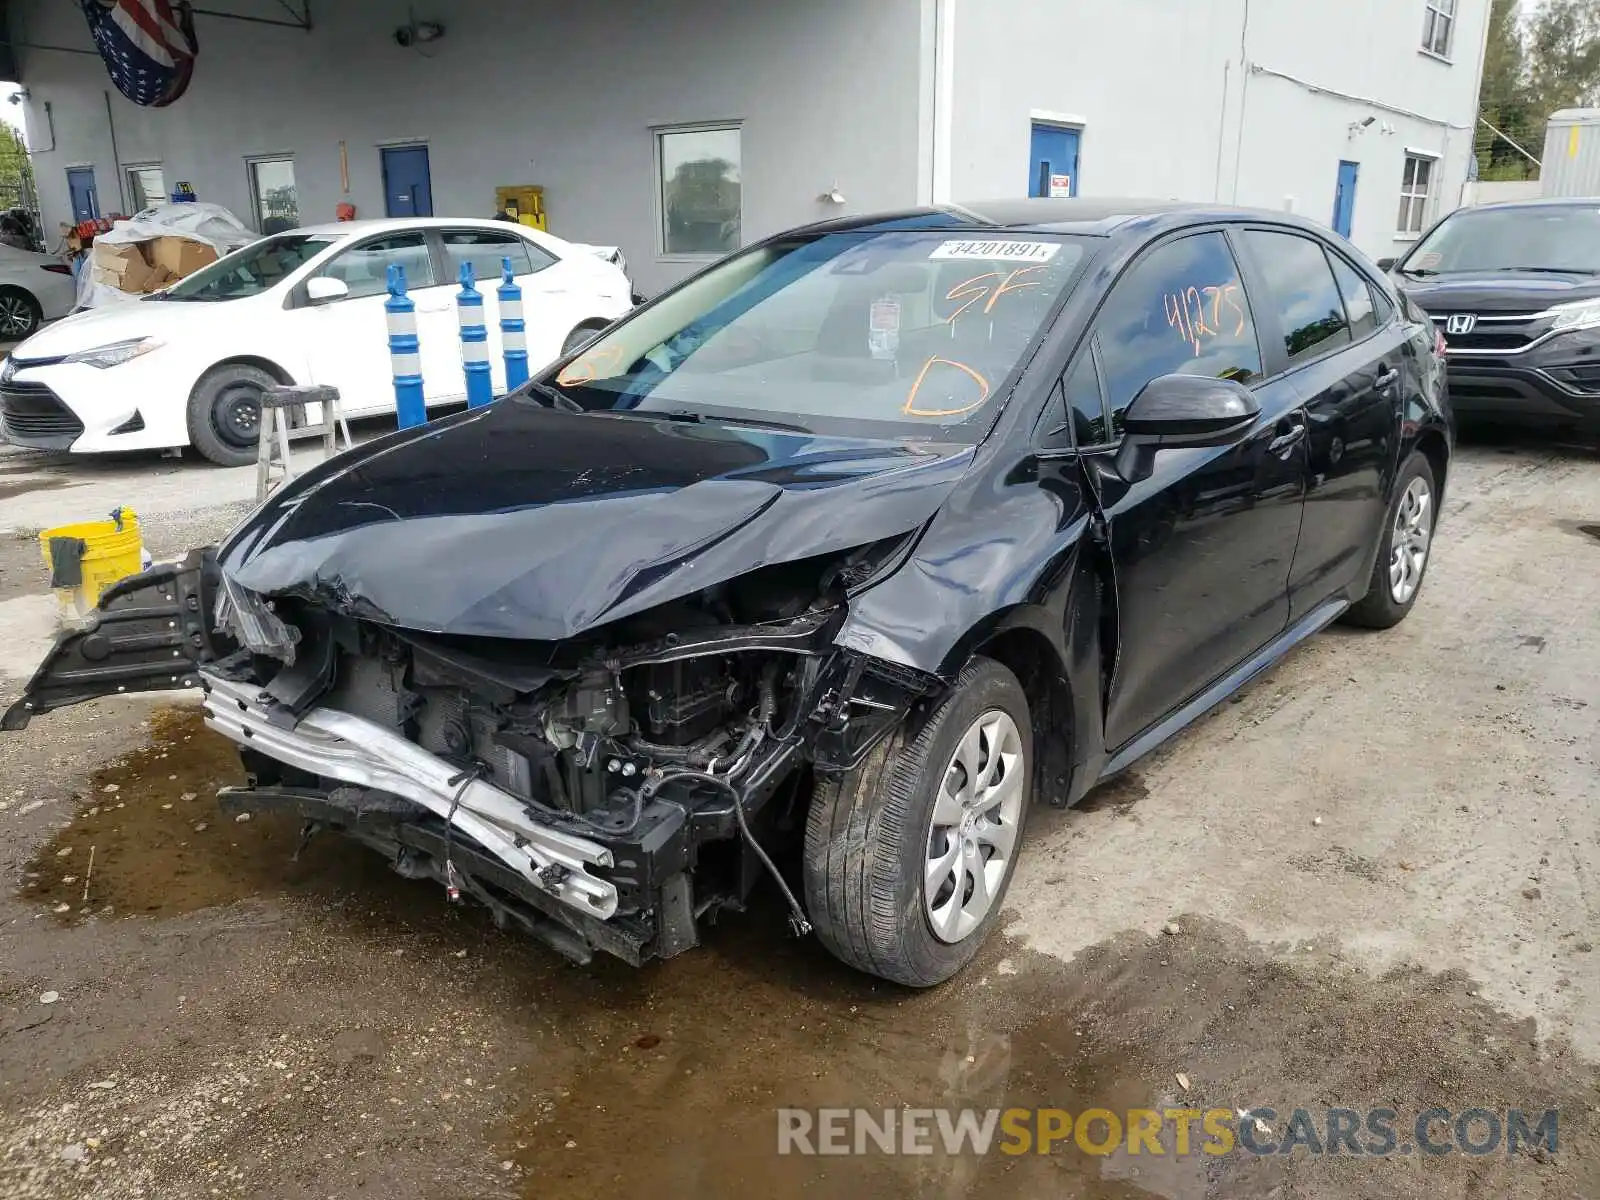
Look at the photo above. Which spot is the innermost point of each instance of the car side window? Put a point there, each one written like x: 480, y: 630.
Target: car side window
x: 1359, y: 304
x: 1382, y: 304
x: 1075, y: 414
x: 1180, y: 310
x: 364, y: 269
x: 1301, y: 288
x: 484, y: 248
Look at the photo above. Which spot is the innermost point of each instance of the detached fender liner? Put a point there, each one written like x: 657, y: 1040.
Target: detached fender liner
x: 150, y: 633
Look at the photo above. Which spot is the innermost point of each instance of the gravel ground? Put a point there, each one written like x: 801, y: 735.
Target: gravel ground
x: 1370, y: 881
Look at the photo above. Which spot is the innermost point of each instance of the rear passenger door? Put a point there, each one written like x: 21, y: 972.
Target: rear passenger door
x: 1334, y: 333
x: 1202, y: 548
x: 443, y: 380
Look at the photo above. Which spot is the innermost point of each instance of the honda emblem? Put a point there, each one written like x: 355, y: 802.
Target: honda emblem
x: 1461, y: 324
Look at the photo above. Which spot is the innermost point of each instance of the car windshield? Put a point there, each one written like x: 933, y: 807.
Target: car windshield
x: 251, y: 270
x: 885, y: 334
x: 1562, y: 237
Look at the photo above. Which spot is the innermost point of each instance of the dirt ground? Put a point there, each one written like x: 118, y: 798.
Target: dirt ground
x: 1368, y: 882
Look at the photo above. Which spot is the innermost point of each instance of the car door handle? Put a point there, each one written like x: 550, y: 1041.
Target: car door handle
x: 1287, y: 440
x: 1386, y: 377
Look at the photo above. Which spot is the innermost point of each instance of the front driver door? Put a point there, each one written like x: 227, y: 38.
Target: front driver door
x: 1202, y: 549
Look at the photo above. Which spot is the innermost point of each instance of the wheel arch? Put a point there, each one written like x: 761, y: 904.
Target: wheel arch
x: 1020, y: 641
x: 1432, y: 445
x: 258, y: 361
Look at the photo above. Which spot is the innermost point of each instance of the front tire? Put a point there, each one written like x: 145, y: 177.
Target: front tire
x: 1404, y: 551
x: 908, y: 857
x: 225, y: 413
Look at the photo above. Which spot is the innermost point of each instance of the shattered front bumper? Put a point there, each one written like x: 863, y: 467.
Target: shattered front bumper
x: 356, y: 751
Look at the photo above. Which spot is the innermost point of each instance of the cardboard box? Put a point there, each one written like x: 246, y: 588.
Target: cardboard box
x: 179, y: 255
x: 159, y: 278
x: 121, y: 266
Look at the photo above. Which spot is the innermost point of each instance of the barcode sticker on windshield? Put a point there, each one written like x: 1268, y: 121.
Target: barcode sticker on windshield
x: 1033, y: 252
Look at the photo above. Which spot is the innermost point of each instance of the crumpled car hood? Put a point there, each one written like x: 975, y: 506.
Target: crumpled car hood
x: 517, y: 521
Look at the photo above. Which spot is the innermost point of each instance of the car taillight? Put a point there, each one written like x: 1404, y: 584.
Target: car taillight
x: 1439, y: 345
x: 56, y: 268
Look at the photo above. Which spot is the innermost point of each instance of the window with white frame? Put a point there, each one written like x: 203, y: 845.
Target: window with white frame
x: 145, y: 186
x: 273, y: 195
x: 1439, y: 27
x: 701, y: 197
x: 1416, y: 190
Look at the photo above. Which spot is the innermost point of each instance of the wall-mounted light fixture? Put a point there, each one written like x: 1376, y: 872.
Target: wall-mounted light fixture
x: 832, y: 196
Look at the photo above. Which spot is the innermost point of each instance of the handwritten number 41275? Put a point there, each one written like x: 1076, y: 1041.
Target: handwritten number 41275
x: 1199, y: 313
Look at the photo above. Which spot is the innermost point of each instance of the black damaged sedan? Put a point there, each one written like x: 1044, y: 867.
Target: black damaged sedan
x: 860, y: 543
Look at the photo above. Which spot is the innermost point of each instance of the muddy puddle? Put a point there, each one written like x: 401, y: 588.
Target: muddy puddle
x: 23, y: 487
x: 687, y: 1066
x: 668, y: 1081
x: 147, y: 838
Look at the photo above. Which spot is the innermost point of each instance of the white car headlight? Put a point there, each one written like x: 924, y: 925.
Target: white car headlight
x: 114, y: 354
x: 1582, y: 314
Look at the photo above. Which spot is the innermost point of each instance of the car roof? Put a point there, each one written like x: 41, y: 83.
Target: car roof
x: 1537, y: 203
x: 1086, y: 217
x: 383, y: 224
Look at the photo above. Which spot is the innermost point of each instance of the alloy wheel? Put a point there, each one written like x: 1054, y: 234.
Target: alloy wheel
x: 16, y: 317
x: 1408, y: 547
x: 974, y: 829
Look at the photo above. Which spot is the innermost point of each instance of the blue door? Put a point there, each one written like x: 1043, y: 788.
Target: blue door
x: 407, y: 189
x: 1053, y: 165
x: 80, y: 187
x: 1344, y: 197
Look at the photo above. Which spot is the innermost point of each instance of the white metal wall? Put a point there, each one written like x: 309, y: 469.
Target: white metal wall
x: 518, y: 92
x: 1237, y: 101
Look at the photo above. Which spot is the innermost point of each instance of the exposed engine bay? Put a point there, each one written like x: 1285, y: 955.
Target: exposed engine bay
x: 609, y: 791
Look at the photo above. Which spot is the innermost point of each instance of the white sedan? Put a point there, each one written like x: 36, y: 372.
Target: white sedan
x: 187, y: 365
x: 33, y: 288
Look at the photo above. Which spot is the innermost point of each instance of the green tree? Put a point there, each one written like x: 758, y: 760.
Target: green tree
x: 1505, y: 100
x: 1531, y: 69
x: 1564, y: 55
x: 13, y: 164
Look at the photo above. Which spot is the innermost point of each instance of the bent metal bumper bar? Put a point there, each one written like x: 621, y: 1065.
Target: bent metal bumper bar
x: 349, y: 748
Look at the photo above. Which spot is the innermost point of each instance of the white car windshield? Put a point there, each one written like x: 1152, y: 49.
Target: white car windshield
x: 892, y: 333
x: 251, y: 270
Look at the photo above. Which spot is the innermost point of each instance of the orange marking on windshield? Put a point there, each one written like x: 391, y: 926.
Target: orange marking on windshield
x: 588, y: 367
x: 974, y: 289
x: 910, y: 408
x: 958, y: 292
x: 1008, y: 286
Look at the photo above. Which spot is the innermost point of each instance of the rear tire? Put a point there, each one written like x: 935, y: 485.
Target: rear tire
x: 20, y: 314
x: 225, y: 413
x: 894, y: 848
x: 1404, y: 551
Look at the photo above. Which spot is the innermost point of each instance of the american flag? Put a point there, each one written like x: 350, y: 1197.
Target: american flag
x: 148, y: 46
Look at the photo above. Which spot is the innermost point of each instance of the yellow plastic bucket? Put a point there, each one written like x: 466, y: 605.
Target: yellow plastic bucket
x: 87, y: 558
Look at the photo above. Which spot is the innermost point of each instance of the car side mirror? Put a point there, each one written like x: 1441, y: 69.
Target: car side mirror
x: 324, y: 289
x: 1182, y: 410
x: 1387, y: 264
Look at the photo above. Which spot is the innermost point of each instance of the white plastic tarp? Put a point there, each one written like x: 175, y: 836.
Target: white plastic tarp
x: 196, y: 221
